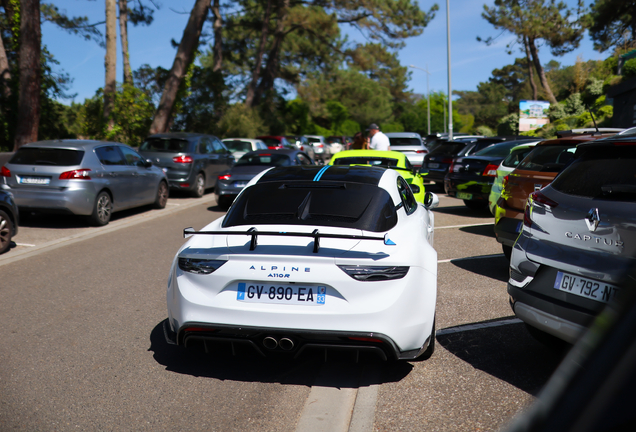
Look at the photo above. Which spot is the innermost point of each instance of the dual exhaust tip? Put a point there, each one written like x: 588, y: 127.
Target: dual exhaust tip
x: 271, y: 343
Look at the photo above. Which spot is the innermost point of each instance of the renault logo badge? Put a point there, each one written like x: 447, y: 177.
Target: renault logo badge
x: 592, y: 219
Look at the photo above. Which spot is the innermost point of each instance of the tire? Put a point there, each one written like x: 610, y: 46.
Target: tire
x: 199, y: 186
x: 507, y: 250
x: 6, y: 232
x: 476, y: 205
x: 102, y: 209
x: 162, y: 196
x: 431, y: 346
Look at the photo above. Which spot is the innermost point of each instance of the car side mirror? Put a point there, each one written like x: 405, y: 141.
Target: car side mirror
x: 147, y: 163
x: 423, y: 171
x: 430, y: 200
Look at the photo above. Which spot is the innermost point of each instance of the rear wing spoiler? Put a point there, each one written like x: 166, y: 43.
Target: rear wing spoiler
x: 315, y: 234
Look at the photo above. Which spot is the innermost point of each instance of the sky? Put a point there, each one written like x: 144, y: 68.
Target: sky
x: 471, y: 61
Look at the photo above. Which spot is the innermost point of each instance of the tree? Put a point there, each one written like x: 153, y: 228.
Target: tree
x: 613, y: 24
x: 123, y: 32
x: 30, y: 78
x: 534, y: 20
x: 110, y: 60
x: 182, y: 61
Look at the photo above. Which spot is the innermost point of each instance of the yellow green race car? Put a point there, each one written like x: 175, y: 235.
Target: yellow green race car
x: 387, y: 159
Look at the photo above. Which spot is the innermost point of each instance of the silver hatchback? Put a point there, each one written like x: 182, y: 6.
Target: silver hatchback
x: 83, y: 177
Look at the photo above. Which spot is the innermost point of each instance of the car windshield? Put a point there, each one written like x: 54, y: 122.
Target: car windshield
x: 313, y: 140
x: 498, y: 150
x: 515, y: 157
x: 267, y: 159
x: 271, y: 142
x: 47, y: 156
x: 168, y: 145
x: 365, y: 160
x: 447, y: 148
x: 405, y: 141
x: 548, y: 158
x: 241, y: 146
x: 334, y: 204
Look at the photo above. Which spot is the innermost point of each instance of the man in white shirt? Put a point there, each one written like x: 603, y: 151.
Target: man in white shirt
x: 379, y: 141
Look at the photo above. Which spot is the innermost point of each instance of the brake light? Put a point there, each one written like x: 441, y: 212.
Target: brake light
x: 265, y: 154
x: 447, y: 160
x: 452, y: 167
x: 80, y: 174
x: 421, y: 151
x: 182, y: 159
x: 319, y: 145
x: 5, y: 172
x: 364, y: 339
x: 225, y: 177
x: 491, y: 170
x: 542, y: 199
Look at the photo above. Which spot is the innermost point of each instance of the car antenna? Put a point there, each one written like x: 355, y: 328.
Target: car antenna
x: 593, y: 119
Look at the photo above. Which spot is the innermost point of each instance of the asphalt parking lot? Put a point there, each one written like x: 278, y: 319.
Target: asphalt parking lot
x: 84, y: 348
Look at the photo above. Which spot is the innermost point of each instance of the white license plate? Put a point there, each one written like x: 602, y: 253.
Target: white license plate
x: 34, y: 180
x: 433, y: 165
x: 584, y: 287
x: 308, y: 295
x: 464, y: 195
x: 240, y: 184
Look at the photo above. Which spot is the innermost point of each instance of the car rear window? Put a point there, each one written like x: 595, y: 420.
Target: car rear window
x: 498, y: 150
x: 361, y: 160
x: 335, y: 140
x: 405, y: 141
x: 244, y: 146
x: 47, y: 156
x: 603, y: 172
x: 313, y: 140
x: 548, y: 158
x: 268, y: 159
x: 515, y: 157
x: 335, y: 204
x: 168, y: 145
x: 447, y: 148
x: 273, y: 142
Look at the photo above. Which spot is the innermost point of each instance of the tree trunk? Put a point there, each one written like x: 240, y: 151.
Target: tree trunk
x: 5, y: 73
x: 30, y: 74
x: 256, y: 73
x: 271, y: 70
x: 185, y: 55
x: 110, y: 61
x: 218, y: 37
x: 123, y: 32
x: 530, y: 71
x: 540, y: 71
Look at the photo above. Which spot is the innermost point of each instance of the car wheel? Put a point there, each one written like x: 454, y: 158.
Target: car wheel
x: 162, y: 196
x: 507, y: 250
x: 6, y: 231
x: 199, y: 186
x: 475, y: 205
x: 102, y: 209
x: 431, y: 346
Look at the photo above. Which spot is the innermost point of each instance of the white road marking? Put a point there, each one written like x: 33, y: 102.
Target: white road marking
x: 468, y: 327
x: 24, y: 244
x: 470, y: 258
x: 465, y: 226
x: 174, y: 204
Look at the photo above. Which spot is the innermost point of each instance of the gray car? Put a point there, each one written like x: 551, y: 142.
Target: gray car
x: 83, y: 177
x: 192, y: 161
x: 409, y: 143
x: 9, y: 217
x: 578, y: 241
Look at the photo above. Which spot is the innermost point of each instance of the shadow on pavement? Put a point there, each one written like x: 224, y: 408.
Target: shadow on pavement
x: 339, y: 371
x: 495, y: 267
x: 66, y: 221
x: 482, y: 230
x: 507, y: 352
x: 462, y: 210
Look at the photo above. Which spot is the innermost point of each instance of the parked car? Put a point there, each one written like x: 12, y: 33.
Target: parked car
x: 302, y: 143
x: 311, y: 258
x: 470, y: 178
x: 240, y: 146
x: 517, y: 154
x: 9, y: 216
x: 409, y: 143
x: 321, y: 148
x: 275, y: 142
x: 192, y: 161
x: 338, y: 143
x: 433, y: 140
x: 534, y: 172
x: 577, y: 241
x: 232, y: 182
x: 83, y: 177
x: 386, y: 159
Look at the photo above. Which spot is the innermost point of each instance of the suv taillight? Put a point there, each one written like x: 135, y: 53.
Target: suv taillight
x: 5, y: 172
x: 537, y: 197
x: 80, y: 174
x: 491, y: 170
x: 182, y: 159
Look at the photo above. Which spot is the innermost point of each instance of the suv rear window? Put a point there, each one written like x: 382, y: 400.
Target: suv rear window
x: 313, y: 140
x: 603, y: 172
x: 168, y: 145
x: 47, y: 156
x: 245, y: 146
x: 447, y: 148
x: 266, y: 159
x: 345, y: 205
x: 515, y: 157
x: 405, y: 141
x: 548, y: 158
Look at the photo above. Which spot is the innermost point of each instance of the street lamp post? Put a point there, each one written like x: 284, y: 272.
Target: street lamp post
x: 428, y: 97
x: 450, y: 98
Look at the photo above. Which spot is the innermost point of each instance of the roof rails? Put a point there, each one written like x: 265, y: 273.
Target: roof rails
x: 587, y: 131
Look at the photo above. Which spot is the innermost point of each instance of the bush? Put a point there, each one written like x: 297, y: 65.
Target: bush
x: 241, y: 121
x: 484, y: 130
x: 629, y: 68
x: 508, y: 125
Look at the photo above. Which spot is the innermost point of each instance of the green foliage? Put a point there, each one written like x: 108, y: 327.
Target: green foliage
x: 484, y: 130
x: 574, y: 105
x: 508, y: 125
x: 629, y: 68
x: 241, y: 121
x: 392, y: 127
x: 612, y: 24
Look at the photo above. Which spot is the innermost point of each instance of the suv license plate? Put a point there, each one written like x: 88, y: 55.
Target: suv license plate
x: 35, y: 180
x: 584, y: 287
x: 433, y: 165
x: 464, y: 195
x: 281, y: 294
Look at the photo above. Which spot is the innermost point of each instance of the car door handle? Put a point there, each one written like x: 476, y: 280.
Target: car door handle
x: 112, y: 174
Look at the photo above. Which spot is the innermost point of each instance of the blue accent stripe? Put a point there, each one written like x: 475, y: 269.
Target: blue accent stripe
x: 321, y: 172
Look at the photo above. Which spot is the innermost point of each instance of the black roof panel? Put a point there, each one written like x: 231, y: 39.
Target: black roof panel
x: 326, y: 173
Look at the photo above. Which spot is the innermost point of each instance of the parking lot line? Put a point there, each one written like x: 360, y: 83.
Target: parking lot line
x: 24, y: 244
x: 470, y: 258
x: 464, y: 226
x: 468, y: 327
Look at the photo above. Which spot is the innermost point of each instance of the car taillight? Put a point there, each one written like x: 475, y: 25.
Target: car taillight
x: 421, y: 151
x: 447, y: 160
x: 542, y: 199
x: 80, y: 174
x: 199, y: 266
x: 225, y: 177
x: 375, y: 273
x: 182, y: 159
x: 491, y: 170
x: 319, y: 145
x: 452, y: 167
x: 527, y: 220
x: 5, y: 172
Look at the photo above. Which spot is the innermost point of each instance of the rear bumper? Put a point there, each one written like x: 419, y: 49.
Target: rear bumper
x: 70, y: 200
x: 507, y: 230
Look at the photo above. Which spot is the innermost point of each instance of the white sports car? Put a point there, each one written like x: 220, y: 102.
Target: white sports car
x: 309, y: 257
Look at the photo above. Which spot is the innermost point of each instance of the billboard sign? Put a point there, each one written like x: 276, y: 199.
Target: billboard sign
x: 533, y: 114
